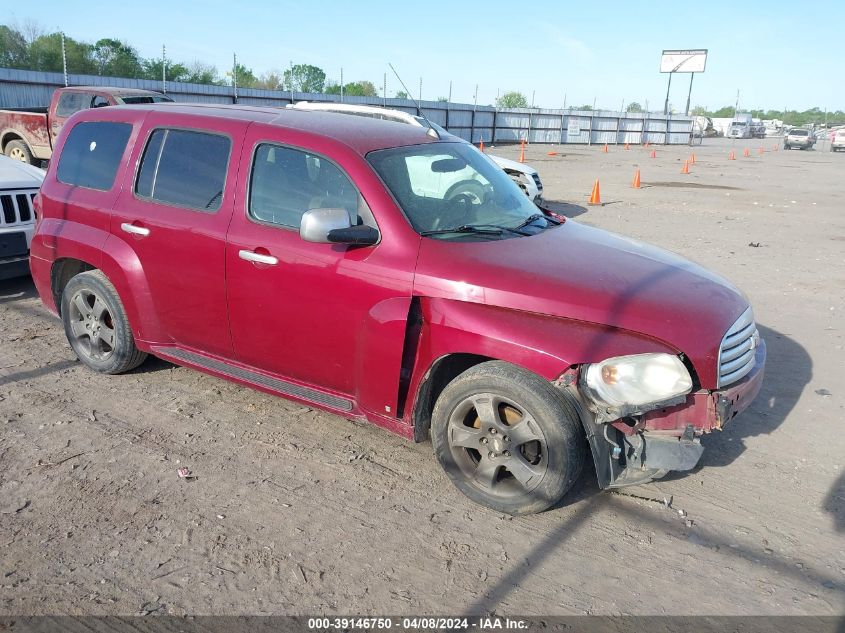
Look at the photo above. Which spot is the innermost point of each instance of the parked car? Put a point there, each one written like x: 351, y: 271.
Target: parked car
x: 297, y: 253
x: 18, y: 185
x: 838, y: 141
x: 525, y: 176
x: 800, y: 138
x: 28, y: 134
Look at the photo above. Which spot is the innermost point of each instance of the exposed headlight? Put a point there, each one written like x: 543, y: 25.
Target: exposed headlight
x: 636, y: 380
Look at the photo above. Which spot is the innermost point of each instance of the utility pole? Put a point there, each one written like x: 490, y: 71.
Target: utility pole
x: 291, y: 81
x: 450, y: 92
x: 736, y: 106
x: 235, y: 74
x: 533, y: 93
x: 384, y: 91
x: 341, y: 85
x: 475, y: 98
x: 64, y: 57
x: 420, y: 89
x: 163, y: 69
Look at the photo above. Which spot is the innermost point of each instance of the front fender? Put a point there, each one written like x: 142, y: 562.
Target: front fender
x: 544, y: 345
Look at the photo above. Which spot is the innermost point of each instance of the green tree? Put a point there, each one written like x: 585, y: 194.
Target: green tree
x: 14, y: 49
x: 116, y: 59
x: 699, y: 111
x: 304, y: 78
x: 443, y: 99
x: 271, y: 80
x: 174, y: 72
x: 725, y: 112
x: 401, y: 94
x: 512, y: 99
x: 586, y: 108
x: 246, y: 78
x: 634, y: 107
x: 45, y: 53
x: 352, y: 89
x: 201, y: 73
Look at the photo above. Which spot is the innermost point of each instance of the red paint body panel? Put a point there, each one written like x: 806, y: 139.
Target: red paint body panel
x: 577, y: 272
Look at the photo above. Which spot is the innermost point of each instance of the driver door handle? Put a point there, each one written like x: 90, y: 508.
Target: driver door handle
x: 258, y: 258
x: 135, y: 230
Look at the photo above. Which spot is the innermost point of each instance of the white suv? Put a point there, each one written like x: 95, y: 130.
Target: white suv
x: 526, y: 177
x: 837, y: 142
x: 19, y: 182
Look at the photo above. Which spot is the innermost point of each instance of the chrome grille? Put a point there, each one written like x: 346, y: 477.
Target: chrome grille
x: 738, y: 348
x: 17, y: 207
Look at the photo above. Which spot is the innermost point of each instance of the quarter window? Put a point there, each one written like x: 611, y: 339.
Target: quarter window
x: 92, y: 153
x: 184, y: 168
x: 287, y: 182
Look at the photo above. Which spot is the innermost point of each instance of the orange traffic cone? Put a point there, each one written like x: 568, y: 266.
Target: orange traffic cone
x: 481, y: 146
x: 595, y: 196
x: 654, y: 153
x: 685, y: 170
x: 636, y: 183
x: 746, y: 153
x: 605, y: 148
x: 626, y: 146
x: 692, y: 160
x: 551, y: 153
x: 522, y: 153
x: 732, y: 156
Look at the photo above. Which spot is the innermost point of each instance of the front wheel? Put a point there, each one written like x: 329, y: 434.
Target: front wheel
x: 507, y: 438
x: 96, y: 325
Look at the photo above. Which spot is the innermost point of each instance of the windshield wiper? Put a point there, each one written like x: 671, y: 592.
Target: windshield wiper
x: 466, y: 228
x: 537, y: 216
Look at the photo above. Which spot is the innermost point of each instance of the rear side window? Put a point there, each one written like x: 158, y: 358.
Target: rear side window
x: 92, y: 153
x: 71, y: 102
x: 184, y: 168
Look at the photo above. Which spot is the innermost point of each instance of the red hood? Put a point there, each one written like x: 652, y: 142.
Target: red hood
x: 579, y: 272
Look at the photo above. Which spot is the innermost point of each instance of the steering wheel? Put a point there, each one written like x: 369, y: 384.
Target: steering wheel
x: 454, y: 212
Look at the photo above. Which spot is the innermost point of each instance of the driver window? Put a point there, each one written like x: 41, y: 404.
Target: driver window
x: 286, y: 182
x: 99, y: 102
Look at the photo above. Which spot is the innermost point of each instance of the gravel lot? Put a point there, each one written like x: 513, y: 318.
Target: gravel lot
x: 294, y: 511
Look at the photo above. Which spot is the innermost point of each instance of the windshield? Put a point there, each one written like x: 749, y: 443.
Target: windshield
x: 446, y: 187
x: 799, y: 133
x: 144, y: 99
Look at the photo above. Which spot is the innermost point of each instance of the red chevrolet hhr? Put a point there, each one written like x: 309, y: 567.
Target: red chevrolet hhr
x: 391, y: 273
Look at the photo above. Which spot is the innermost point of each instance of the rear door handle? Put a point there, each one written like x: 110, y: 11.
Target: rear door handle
x: 135, y: 230
x: 258, y: 258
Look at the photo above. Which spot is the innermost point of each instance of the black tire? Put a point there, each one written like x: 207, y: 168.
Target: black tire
x: 547, y: 452
x: 18, y: 150
x: 96, y: 325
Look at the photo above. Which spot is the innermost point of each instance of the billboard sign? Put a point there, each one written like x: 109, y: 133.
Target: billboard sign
x: 683, y: 61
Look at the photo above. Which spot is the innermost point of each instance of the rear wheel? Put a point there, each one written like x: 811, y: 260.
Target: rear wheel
x: 96, y: 325
x: 17, y: 150
x: 507, y: 438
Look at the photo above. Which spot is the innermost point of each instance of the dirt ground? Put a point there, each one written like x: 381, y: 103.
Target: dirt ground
x: 294, y: 511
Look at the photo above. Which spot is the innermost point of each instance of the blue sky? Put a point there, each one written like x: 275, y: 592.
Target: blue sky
x: 608, y: 51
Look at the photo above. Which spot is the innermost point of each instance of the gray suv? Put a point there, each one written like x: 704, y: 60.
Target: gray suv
x: 800, y: 138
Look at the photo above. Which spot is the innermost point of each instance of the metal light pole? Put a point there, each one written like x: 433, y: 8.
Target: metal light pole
x: 384, y: 91
x: 420, y: 89
x: 64, y: 57
x: 341, y: 85
x: 291, y: 81
x: 235, y: 74
x: 163, y: 67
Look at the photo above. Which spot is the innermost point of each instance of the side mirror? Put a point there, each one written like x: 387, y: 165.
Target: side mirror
x: 332, y: 226
x: 316, y: 224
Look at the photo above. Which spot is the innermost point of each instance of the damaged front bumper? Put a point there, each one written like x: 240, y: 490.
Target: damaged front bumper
x: 636, y: 450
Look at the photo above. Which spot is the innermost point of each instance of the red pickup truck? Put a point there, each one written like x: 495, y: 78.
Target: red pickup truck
x: 389, y: 273
x: 28, y: 134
